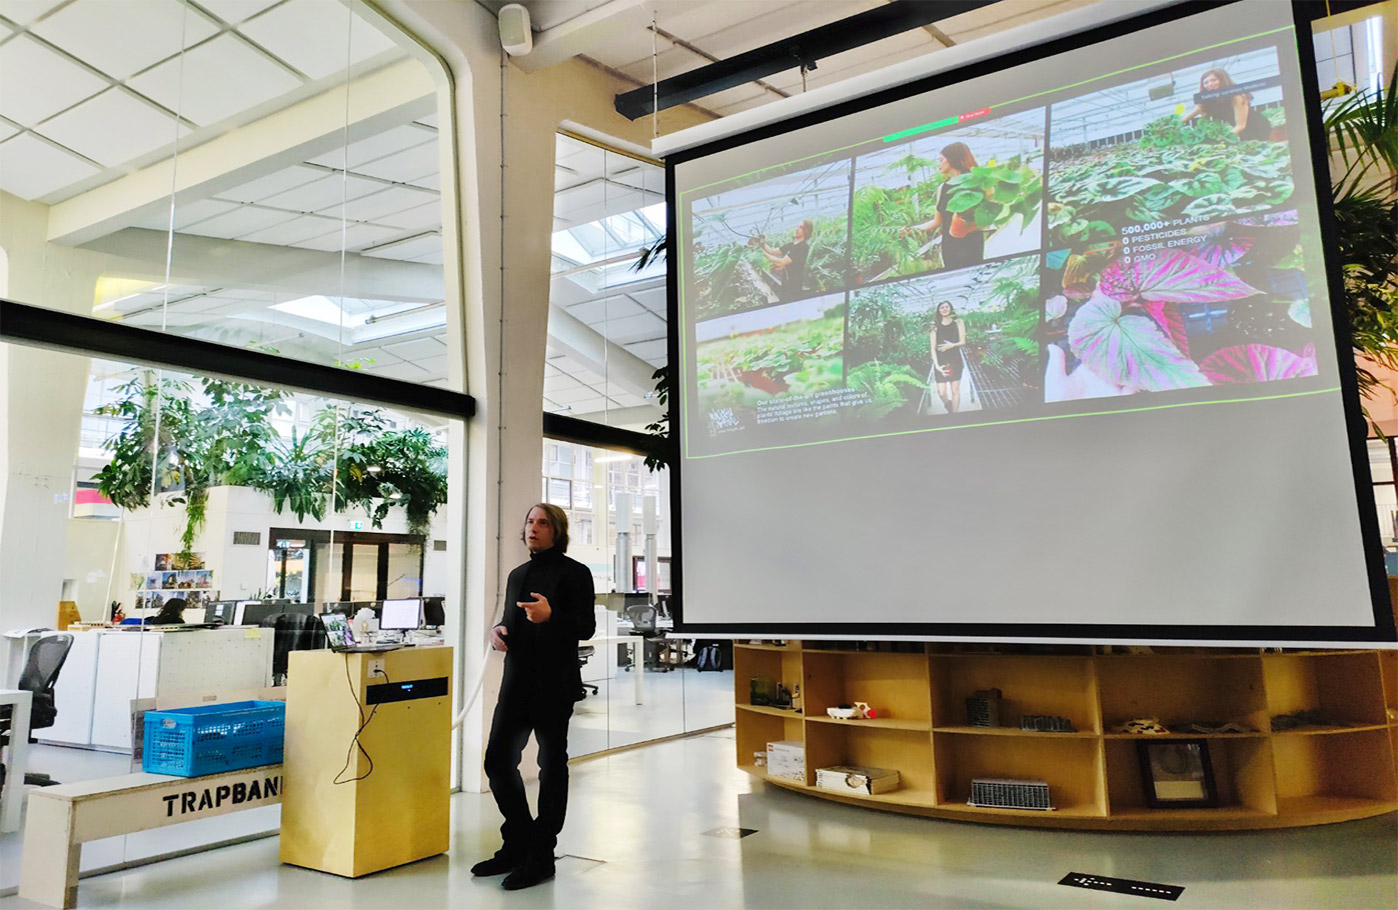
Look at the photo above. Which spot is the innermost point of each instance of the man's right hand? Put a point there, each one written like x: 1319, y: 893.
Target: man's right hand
x: 497, y: 638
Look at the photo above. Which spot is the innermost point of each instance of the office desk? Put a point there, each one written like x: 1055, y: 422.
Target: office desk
x: 12, y: 798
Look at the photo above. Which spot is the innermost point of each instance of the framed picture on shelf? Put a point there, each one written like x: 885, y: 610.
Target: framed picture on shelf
x: 1177, y: 774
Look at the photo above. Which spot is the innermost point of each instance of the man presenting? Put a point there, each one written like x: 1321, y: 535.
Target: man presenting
x: 548, y: 610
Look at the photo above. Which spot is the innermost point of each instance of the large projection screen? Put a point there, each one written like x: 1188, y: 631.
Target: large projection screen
x: 1040, y: 349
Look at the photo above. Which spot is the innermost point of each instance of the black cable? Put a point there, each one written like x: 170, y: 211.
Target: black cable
x: 363, y: 722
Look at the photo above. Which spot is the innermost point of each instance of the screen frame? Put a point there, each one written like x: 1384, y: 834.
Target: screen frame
x: 1383, y: 631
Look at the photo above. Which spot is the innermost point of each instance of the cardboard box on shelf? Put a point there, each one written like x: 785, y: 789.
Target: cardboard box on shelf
x: 857, y: 779
x: 787, y: 759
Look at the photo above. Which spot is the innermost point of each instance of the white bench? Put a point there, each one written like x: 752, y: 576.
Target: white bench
x: 59, y: 820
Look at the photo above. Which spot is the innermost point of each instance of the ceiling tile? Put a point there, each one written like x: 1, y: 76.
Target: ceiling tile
x: 417, y: 349
x: 410, y: 248
x: 271, y: 184
x: 432, y: 181
x: 594, y: 312
x: 402, y: 167
x: 235, y: 11
x: 404, y: 371
x: 289, y: 233
x: 323, y: 194
x: 205, y: 93
x: 435, y: 257
x: 423, y: 216
x: 377, y: 146
x: 354, y: 237
x: 25, y: 12
x: 643, y: 327
x: 124, y: 38
x: 311, y: 35
x: 558, y: 382
x: 186, y: 213
x: 112, y: 128
x: 381, y: 207
x: 652, y: 299
x: 653, y: 352
x: 31, y: 167
x: 36, y: 83
x: 429, y: 120
x: 242, y: 220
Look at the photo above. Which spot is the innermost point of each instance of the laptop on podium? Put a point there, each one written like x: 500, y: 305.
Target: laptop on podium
x: 341, y: 633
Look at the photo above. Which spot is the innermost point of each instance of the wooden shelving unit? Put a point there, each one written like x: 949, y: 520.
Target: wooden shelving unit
x: 1342, y: 769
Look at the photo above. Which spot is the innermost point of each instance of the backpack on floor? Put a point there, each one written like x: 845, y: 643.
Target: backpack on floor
x: 708, y: 657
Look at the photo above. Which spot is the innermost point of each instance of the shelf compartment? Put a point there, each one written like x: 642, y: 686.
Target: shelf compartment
x: 775, y: 712
x: 1030, y: 684
x: 893, y: 684
x: 755, y: 729
x: 1388, y: 665
x: 909, y: 752
x: 1242, y: 769
x: 1344, y: 686
x: 1070, y: 766
x: 1181, y: 688
x: 876, y: 723
x: 781, y: 665
x: 1347, y: 766
x: 1013, y: 731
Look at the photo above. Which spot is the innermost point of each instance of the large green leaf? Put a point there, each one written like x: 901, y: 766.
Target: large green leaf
x: 964, y: 200
x: 1129, y: 349
x: 1114, y: 188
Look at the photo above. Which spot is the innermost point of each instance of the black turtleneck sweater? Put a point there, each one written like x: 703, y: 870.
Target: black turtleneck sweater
x: 544, y: 656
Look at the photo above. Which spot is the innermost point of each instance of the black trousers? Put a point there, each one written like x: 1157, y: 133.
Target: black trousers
x: 519, y: 713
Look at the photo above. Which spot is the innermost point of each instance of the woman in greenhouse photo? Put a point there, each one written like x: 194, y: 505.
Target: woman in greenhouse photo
x: 948, y: 338
x: 1235, y: 108
x: 788, y: 262
x: 963, y: 243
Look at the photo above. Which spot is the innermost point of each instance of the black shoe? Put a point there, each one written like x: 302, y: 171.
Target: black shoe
x: 528, y: 875
x: 499, y: 864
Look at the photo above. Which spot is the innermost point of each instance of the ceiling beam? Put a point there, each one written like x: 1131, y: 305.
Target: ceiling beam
x: 802, y: 50
x: 580, y: 341
x: 211, y: 262
x: 381, y: 100
x: 554, y: 45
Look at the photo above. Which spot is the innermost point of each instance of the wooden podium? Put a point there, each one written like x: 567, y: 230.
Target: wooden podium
x: 391, y: 805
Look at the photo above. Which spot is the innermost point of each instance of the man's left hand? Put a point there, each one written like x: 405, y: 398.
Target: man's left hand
x: 538, y: 609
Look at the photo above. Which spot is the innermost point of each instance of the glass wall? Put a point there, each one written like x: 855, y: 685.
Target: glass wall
x: 667, y: 694
x: 292, y: 210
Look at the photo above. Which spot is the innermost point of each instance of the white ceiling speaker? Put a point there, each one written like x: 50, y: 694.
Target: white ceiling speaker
x: 515, y: 36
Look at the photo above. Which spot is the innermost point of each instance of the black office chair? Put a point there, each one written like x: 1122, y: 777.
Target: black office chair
x: 642, y: 618
x: 585, y: 652
x: 46, y: 658
x: 293, y: 632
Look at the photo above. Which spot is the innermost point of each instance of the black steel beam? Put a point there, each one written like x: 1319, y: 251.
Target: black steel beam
x: 804, y: 49
x: 571, y: 429
x: 809, y: 47
x: 24, y: 324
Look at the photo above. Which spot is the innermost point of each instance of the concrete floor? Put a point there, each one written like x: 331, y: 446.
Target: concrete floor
x: 636, y: 838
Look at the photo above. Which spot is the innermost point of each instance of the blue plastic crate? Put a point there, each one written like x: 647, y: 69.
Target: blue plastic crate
x: 207, y: 739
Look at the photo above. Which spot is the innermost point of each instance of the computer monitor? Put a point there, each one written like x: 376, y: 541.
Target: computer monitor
x: 219, y: 611
x: 401, y: 615
x: 256, y: 611
x: 239, y: 612
x: 434, y: 612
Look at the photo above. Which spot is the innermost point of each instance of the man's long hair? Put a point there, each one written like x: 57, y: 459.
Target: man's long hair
x: 558, y: 521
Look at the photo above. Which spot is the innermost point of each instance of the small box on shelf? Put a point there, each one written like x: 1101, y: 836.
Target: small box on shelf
x: 857, y: 779
x: 787, y: 760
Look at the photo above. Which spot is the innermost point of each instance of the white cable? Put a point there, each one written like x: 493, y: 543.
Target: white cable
x: 475, y: 691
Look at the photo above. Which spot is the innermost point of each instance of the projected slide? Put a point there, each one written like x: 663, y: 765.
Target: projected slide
x: 1122, y: 235
x: 1050, y: 347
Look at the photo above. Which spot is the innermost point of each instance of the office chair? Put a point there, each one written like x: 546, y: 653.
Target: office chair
x: 41, y: 667
x: 584, y: 653
x: 642, y: 618
x: 293, y: 632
